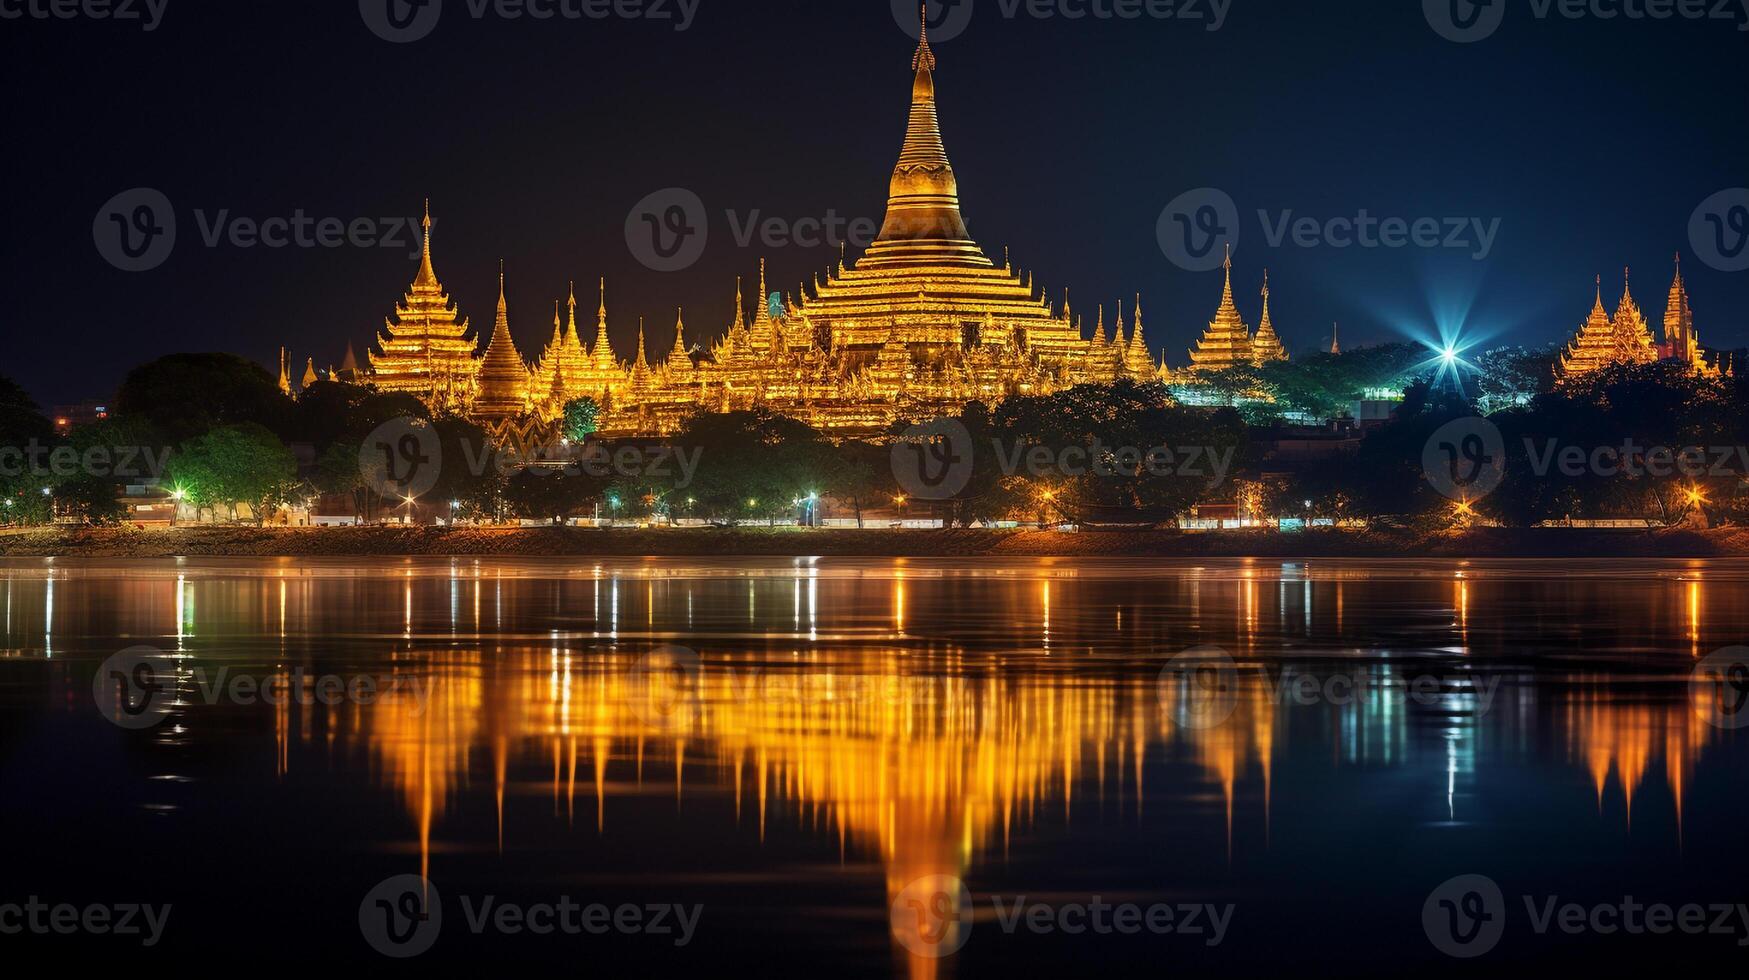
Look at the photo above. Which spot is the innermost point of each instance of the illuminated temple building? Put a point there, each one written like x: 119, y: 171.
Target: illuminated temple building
x: 1228, y: 342
x: 923, y: 323
x: 1625, y: 337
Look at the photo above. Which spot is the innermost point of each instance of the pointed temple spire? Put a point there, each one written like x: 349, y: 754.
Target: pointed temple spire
x: 1603, y: 340
x: 680, y: 358
x: 426, y: 350
x: 427, y: 276
x: 923, y: 223
x: 602, y: 352
x: 1335, y: 338
x: 1267, y: 345
x: 503, y: 377
x: 1139, y: 359
x: 284, y: 373
x: 310, y: 377
x: 1227, y: 341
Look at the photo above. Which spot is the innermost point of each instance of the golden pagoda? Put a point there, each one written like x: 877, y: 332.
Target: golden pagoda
x: 425, y: 348
x: 503, y: 381
x: 1681, y: 339
x: 921, y: 325
x: 1266, y: 346
x: 1227, y: 342
x: 1633, y: 338
x: 1603, y: 339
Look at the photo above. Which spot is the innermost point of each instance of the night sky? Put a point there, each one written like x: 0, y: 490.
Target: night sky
x: 1592, y: 141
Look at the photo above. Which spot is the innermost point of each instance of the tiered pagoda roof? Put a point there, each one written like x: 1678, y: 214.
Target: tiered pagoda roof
x: 1227, y: 342
x: 426, y: 350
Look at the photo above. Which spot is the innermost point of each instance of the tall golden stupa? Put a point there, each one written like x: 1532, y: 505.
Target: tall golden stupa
x: 922, y: 324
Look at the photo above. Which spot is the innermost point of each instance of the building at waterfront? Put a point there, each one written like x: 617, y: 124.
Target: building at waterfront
x: 921, y: 324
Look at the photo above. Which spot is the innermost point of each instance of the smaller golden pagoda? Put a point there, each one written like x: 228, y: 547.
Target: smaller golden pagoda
x: 1266, y: 346
x: 1604, y: 339
x: 503, y: 377
x: 1681, y: 339
x: 1633, y: 337
x: 426, y: 350
x: 1227, y: 342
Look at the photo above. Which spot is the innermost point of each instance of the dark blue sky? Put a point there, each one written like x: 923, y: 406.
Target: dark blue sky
x: 1592, y: 142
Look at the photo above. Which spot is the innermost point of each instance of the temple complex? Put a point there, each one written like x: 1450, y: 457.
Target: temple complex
x: 1625, y: 337
x: 921, y: 324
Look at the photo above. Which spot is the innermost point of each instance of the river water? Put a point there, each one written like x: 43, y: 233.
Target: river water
x: 780, y: 767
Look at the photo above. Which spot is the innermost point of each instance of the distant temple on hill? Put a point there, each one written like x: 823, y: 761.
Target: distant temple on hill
x: 923, y: 323
x: 1228, y: 343
x: 1625, y: 337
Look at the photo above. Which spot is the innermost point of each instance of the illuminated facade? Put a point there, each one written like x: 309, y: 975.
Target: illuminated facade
x: 1228, y: 342
x: 1625, y: 337
x: 922, y: 324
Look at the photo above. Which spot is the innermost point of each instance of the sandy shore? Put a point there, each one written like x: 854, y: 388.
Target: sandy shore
x: 219, y: 542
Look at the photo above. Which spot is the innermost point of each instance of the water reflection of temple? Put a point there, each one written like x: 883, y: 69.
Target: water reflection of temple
x: 924, y: 715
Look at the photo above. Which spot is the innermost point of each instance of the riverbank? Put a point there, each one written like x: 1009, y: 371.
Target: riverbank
x: 391, y: 541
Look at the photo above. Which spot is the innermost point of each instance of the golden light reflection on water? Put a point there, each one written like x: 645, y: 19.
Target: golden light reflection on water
x: 923, y: 717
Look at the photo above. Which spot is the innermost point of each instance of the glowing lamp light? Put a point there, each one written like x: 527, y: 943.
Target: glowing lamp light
x: 47, y: 492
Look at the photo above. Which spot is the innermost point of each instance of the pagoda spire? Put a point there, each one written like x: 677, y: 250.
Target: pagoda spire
x: 310, y: 373
x: 1099, y: 341
x: 923, y: 222
x: 924, y: 59
x: 1227, y: 341
x: 427, y: 276
x: 284, y: 373
x: 503, y: 376
x: 571, y: 328
x: 1335, y: 338
x: 1267, y: 345
x: 603, y: 350
x: 679, y: 358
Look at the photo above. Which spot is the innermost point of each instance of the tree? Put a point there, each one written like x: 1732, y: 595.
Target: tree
x: 752, y: 464
x: 236, y: 464
x: 188, y: 395
x: 1509, y: 377
x: 544, y: 495
x: 22, y: 428
x: 582, y: 417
